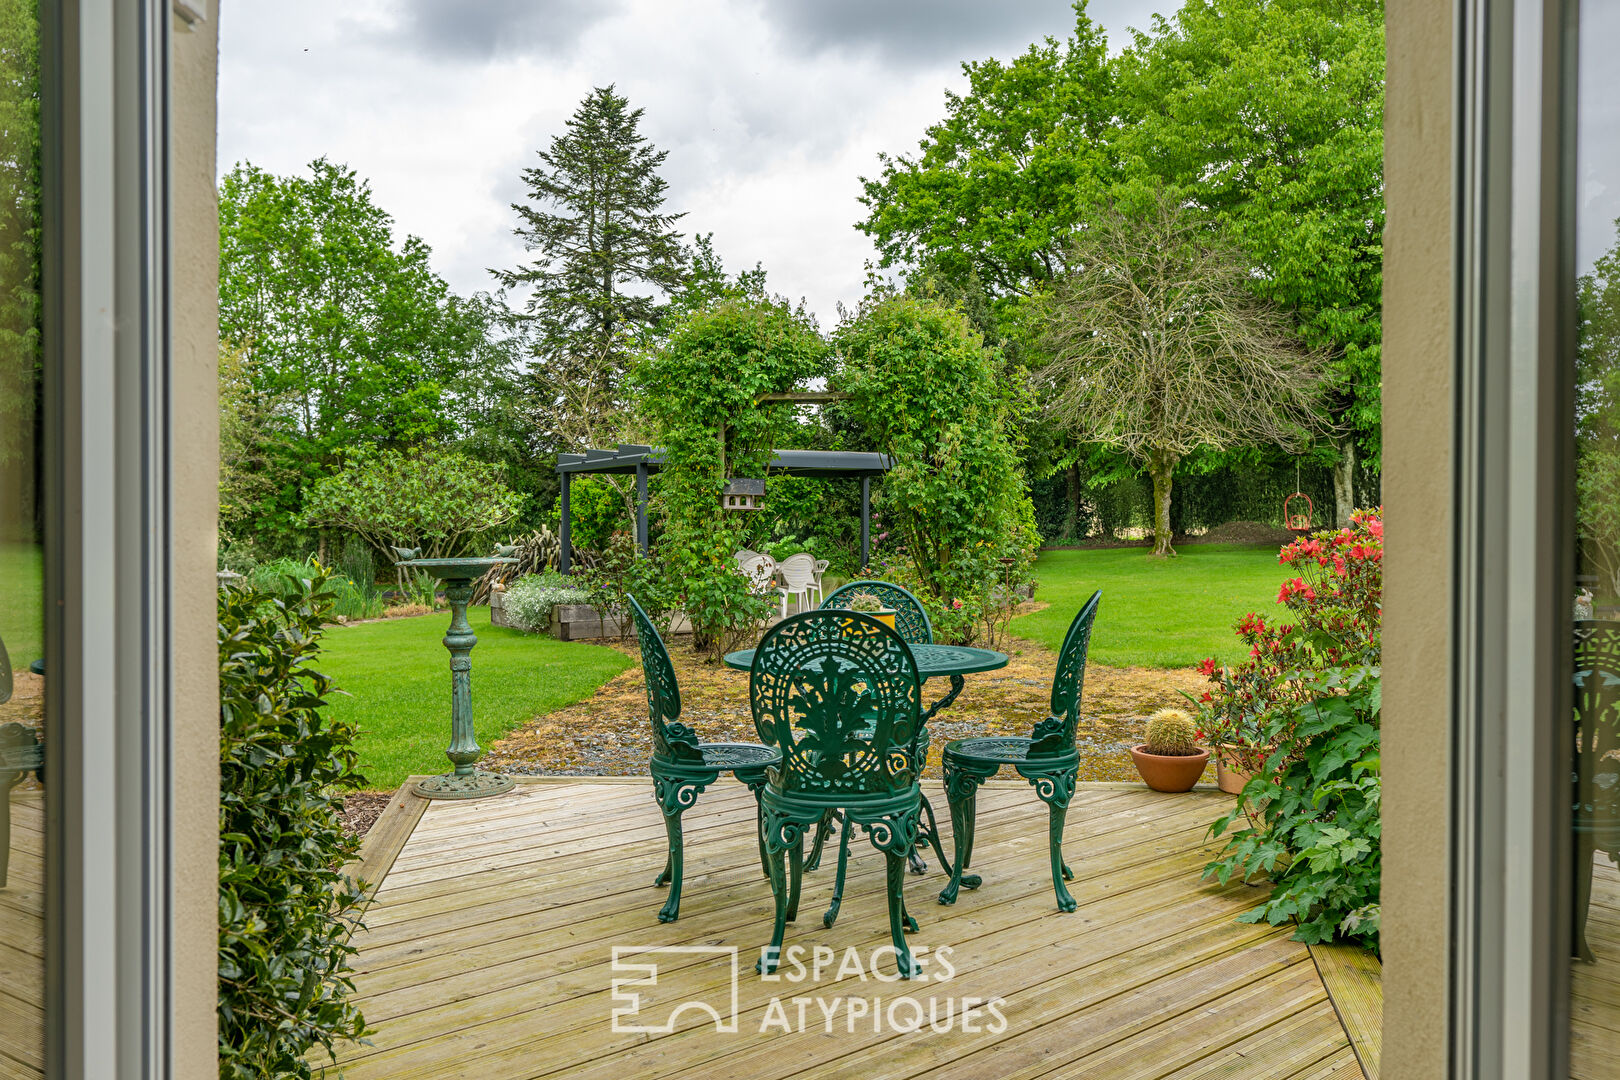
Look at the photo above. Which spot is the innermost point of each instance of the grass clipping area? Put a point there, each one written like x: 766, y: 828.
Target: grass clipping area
x: 609, y: 734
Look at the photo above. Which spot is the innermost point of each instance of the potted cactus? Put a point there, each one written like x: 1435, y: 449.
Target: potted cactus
x: 1171, y: 759
x: 867, y: 604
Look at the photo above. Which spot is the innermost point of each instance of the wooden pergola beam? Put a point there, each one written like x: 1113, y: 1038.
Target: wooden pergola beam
x: 804, y: 397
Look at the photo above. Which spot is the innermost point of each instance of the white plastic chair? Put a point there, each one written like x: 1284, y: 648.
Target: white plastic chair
x: 798, y: 579
x: 761, y: 571
x: 744, y: 555
x: 821, y: 568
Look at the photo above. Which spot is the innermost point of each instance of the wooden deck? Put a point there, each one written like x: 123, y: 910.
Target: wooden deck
x: 1595, y: 1008
x: 489, y: 951
x: 22, y: 942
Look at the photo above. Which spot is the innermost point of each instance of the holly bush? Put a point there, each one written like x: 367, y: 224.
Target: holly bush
x: 697, y: 393
x: 931, y: 395
x: 286, y: 909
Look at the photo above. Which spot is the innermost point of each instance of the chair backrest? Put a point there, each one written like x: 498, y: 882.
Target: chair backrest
x: 1055, y: 734
x: 671, y: 738
x: 837, y: 692
x: 744, y: 555
x: 821, y: 566
x: 1597, y: 725
x: 909, y: 617
x: 761, y: 569
x: 798, y: 571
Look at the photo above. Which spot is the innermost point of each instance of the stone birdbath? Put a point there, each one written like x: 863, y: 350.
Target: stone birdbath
x: 466, y: 782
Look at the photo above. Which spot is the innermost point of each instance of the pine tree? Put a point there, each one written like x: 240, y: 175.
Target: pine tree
x: 606, y: 257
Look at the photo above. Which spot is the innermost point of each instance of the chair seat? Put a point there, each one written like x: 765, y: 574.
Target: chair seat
x: 725, y: 755
x: 1008, y: 749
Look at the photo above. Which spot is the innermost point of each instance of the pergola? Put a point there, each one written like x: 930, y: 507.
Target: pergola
x: 644, y: 461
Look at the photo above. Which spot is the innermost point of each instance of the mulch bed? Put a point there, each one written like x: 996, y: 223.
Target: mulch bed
x: 1233, y: 532
x: 361, y: 809
x: 609, y: 735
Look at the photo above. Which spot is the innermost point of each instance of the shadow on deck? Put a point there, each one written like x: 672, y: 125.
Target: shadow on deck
x: 489, y: 951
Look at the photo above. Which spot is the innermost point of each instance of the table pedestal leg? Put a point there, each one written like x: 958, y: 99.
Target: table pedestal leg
x: 466, y: 782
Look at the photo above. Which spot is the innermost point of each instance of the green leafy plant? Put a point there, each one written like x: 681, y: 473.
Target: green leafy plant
x: 529, y: 600
x: 1172, y: 732
x: 699, y: 393
x: 623, y: 571
x: 433, y: 499
x: 1310, y: 818
x: 930, y: 395
x: 286, y: 909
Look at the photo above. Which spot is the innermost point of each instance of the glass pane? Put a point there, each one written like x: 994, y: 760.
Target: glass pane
x: 22, y: 682
x: 1595, y: 1034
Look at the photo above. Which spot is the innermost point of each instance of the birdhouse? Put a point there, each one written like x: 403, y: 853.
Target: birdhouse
x: 743, y: 493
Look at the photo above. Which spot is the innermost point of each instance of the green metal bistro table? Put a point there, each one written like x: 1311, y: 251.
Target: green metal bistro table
x: 933, y: 661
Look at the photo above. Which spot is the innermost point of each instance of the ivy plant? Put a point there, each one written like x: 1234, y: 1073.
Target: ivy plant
x: 286, y: 909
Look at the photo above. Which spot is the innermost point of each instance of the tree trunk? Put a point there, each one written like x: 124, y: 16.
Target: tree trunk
x: 1344, y: 482
x: 1071, y: 512
x: 1162, y: 467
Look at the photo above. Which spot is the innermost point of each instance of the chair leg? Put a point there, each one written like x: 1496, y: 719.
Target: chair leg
x: 897, y: 915
x: 1585, y: 848
x: 933, y: 836
x: 759, y: 835
x: 961, y: 816
x: 823, y: 827
x: 1065, y: 902
x: 795, y: 879
x: 971, y: 881
x: 838, y: 879
x: 672, y: 868
x: 961, y: 789
x: 773, y: 953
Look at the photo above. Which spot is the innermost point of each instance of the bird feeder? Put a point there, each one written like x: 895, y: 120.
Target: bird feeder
x: 743, y: 493
x: 1297, y: 511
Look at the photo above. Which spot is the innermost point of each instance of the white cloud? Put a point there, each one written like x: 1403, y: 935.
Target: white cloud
x: 769, y: 114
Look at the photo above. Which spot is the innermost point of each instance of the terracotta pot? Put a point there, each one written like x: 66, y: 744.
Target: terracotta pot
x: 1169, y: 772
x: 1229, y: 780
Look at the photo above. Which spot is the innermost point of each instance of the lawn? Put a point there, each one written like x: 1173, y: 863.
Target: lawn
x: 397, y: 677
x: 1155, y: 612
x: 22, y: 579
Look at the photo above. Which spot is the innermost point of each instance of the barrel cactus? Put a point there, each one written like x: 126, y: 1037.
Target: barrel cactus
x: 1172, y: 733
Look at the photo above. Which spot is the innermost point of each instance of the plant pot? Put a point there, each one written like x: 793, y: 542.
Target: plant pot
x: 885, y: 616
x: 1169, y: 772
x: 1228, y: 778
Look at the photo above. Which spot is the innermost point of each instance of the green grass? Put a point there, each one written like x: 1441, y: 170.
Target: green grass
x: 22, y: 579
x: 397, y: 677
x: 1155, y: 612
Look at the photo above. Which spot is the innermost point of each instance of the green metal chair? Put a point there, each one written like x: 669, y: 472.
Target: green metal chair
x: 838, y: 694
x: 682, y: 765
x: 1047, y: 759
x: 909, y: 617
x: 1595, y: 774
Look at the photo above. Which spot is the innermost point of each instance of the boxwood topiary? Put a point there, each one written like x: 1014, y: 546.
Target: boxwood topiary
x: 286, y: 909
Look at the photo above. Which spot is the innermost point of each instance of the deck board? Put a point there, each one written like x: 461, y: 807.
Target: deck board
x: 22, y: 942
x: 488, y: 950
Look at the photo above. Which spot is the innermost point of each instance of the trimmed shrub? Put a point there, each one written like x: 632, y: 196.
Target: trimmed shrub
x: 286, y: 909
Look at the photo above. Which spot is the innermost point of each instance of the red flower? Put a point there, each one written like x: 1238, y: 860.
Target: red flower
x: 1207, y: 667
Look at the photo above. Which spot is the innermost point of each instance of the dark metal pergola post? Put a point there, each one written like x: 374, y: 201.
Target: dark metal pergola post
x: 866, y: 521
x: 641, y: 507
x: 565, y: 539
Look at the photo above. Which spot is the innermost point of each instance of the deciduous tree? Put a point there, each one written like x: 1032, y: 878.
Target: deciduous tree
x: 1159, y: 347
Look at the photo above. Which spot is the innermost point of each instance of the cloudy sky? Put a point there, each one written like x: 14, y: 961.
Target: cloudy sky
x: 771, y: 110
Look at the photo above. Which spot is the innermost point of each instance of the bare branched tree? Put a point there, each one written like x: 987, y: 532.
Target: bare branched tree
x: 1160, y: 346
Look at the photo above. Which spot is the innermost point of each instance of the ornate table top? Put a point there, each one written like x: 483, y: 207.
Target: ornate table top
x: 932, y: 660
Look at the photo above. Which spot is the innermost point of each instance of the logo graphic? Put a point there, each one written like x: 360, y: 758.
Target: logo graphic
x: 639, y: 1000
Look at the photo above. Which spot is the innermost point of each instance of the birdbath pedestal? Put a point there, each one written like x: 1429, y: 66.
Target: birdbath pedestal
x: 466, y: 782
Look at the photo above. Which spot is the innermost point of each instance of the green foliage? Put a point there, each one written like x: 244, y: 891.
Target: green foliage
x: 596, y: 510
x: 623, y: 571
x: 20, y: 268
x: 1001, y: 182
x: 1597, y: 445
x: 932, y: 397
x: 433, y: 499
x: 348, y: 341
x: 285, y: 908
x: 606, y: 252
x: 698, y: 394
x: 1172, y: 732
x: 1269, y: 114
x: 529, y: 600
x: 1312, y: 814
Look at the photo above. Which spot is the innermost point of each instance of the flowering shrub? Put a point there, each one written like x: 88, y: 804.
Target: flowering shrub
x: 1335, y: 604
x: 1303, y: 714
